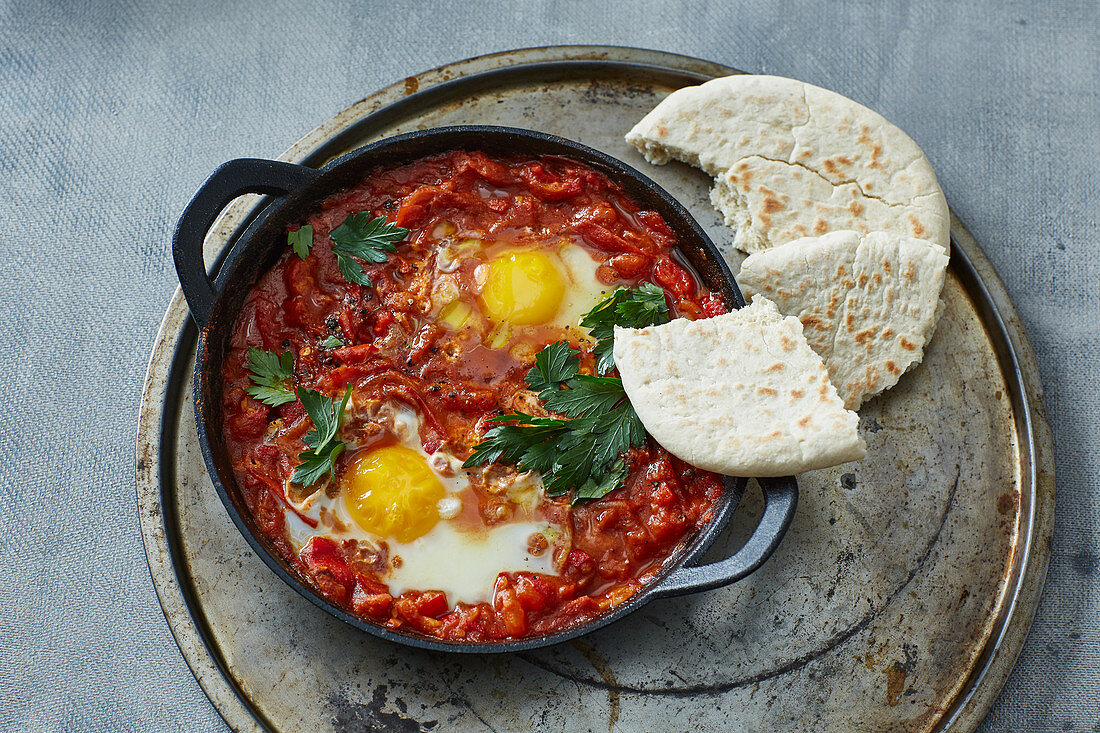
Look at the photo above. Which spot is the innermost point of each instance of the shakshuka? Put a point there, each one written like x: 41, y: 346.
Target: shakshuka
x: 503, y: 256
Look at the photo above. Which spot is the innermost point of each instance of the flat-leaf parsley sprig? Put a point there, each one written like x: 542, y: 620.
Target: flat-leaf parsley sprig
x: 358, y: 236
x: 583, y: 453
x: 634, y: 308
x: 368, y: 239
x: 320, y: 459
x: 270, y: 373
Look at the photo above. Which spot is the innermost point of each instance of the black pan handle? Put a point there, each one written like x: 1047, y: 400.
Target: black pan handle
x: 233, y: 179
x: 780, y: 500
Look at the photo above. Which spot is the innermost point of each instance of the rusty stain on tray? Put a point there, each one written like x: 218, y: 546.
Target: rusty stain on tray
x: 887, y: 606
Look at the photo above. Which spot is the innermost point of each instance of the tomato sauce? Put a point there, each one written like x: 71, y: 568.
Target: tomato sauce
x: 456, y: 377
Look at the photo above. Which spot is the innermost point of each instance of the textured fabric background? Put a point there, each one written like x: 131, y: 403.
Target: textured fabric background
x: 112, y: 113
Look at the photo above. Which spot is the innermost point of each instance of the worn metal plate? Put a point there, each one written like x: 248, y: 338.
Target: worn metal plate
x: 899, y: 599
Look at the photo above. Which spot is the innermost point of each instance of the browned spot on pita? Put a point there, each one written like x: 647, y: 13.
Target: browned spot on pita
x: 745, y: 177
x: 876, y: 151
x: 843, y: 160
x: 805, y: 153
x: 841, y: 270
x: 820, y: 227
x: 918, y: 228
x: 797, y: 393
x: 823, y: 390
x: 862, y: 280
x: 786, y: 342
x: 766, y: 391
x: 910, y: 272
x: 772, y: 205
x: 887, y: 267
x: 662, y: 131
x: 812, y: 321
x: 776, y: 367
x: 868, y: 186
x: 887, y: 333
x: 800, y: 229
x: 892, y: 368
x: 856, y: 208
x: 804, y: 422
x: 865, y: 335
x: 877, y: 278
x: 907, y: 344
x: 765, y: 219
x: 849, y: 320
x: 848, y: 282
x: 830, y: 166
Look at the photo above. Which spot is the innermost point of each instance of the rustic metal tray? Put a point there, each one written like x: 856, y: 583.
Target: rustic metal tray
x: 899, y: 600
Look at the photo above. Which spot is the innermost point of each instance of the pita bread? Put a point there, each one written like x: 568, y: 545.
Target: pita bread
x: 868, y: 303
x: 791, y: 160
x: 741, y: 394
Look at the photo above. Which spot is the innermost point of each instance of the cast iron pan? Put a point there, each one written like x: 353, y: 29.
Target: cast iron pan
x: 297, y: 192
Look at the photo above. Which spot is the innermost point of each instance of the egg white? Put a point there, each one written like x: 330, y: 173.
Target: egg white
x: 462, y: 563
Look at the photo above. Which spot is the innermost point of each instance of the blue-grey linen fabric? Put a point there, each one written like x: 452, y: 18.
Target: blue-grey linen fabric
x: 112, y: 113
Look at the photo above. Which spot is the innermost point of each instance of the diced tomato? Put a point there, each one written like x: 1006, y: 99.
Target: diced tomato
x: 368, y: 602
x: 325, y: 560
x: 674, y: 278
x: 251, y: 422
x: 508, y: 607
x: 713, y: 305
x: 350, y: 319
x: 629, y: 264
x: 580, y: 560
x: 529, y: 593
x: 604, y: 239
x: 382, y: 322
x: 354, y: 354
x: 493, y: 172
x: 548, y: 186
x: 433, y: 603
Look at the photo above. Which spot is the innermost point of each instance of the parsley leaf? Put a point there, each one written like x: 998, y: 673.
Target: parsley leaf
x: 366, y: 238
x: 315, y: 465
x: 512, y: 443
x: 553, y: 365
x: 332, y: 342
x: 593, y: 489
x: 634, y: 308
x: 324, y: 447
x: 586, y: 395
x: 270, y: 373
x: 301, y: 240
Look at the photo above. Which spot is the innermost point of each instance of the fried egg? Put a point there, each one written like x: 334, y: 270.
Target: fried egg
x: 422, y: 510
x: 552, y: 284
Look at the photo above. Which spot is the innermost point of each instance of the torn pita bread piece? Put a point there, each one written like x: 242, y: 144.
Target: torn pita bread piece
x: 793, y: 160
x: 740, y: 394
x: 868, y: 303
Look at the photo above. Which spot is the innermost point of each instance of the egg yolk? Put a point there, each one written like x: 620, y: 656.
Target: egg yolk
x: 522, y: 289
x: 391, y: 492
